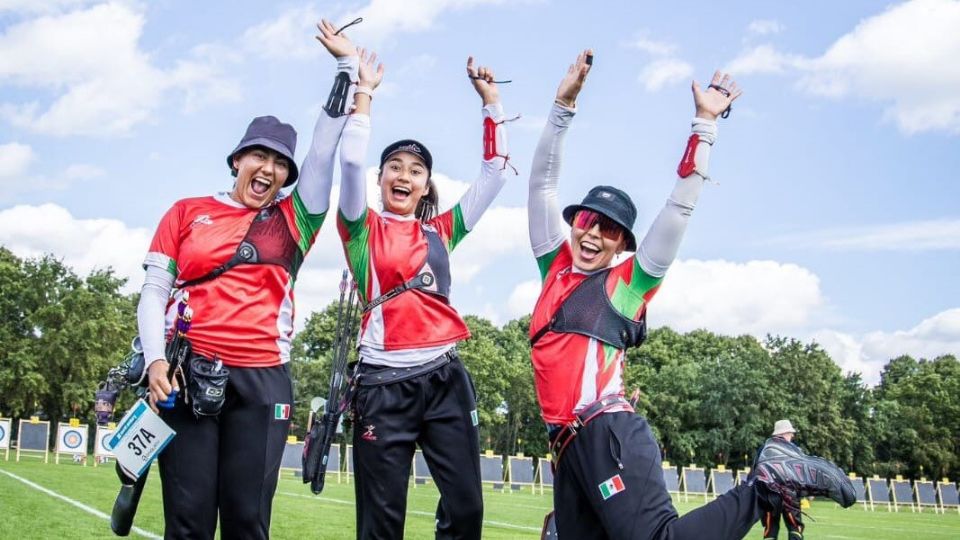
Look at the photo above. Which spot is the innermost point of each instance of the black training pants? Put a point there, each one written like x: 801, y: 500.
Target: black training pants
x: 622, y: 444
x: 436, y: 411
x: 229, y: 463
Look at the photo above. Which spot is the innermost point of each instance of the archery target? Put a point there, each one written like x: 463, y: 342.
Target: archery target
x: 5, y: 433
x: 72, y: 440
x: 103, y: 437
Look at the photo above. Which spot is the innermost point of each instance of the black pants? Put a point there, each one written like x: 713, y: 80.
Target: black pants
x: 436, y: 411
x: 229, y: 463
x: 771, y: 524
x: 621, y: 444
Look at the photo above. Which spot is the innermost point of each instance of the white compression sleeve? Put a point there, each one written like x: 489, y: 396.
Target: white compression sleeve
x: 493, y: 173
x: 353, y: 156
x: 316, y: 174
x: 543, y: 204
x: 659, y: 247
x: 151, y: 312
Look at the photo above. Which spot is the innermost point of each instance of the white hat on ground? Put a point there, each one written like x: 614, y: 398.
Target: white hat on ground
x: 782, y: 427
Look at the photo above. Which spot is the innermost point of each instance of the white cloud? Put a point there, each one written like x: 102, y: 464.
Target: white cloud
x: 82, y: 244
x: 82, y: 171
x: 384, y: 18
x: 660, y: 73
x: 867, y: 354
x: 101, y: 82
x: 940, y: 234
x: 650, y: 46
x: 283, y: 38
x: 763, y: 59
x: 523, y: 298
x: 39, y: 6
x: 755, y: 297
x: 904, y: 58
x: 15, y: 158
x: 764, y: 27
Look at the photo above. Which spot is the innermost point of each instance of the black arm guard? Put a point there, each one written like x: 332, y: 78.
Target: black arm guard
x: 337, y: 101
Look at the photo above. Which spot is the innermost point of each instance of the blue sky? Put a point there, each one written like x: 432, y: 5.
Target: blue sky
x: 833, y: 217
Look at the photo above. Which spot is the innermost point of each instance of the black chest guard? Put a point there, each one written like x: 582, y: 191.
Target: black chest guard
x: 433, y: 277
x: 268, y: 241
x: 588, y: 311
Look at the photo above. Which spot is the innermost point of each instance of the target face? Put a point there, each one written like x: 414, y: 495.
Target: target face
x: 102, y: 444
x: 72, y: 439
x: 3, y: 436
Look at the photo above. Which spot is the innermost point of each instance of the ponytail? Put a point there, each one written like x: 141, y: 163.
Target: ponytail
x: 427, y: 208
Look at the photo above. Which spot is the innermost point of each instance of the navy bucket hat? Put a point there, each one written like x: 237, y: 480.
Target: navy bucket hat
x: 614, y: 204
x: 268, y: 132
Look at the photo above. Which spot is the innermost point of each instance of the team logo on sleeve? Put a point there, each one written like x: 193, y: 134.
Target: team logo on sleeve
x: 368, y: 435
x: 281, y: 411
x: 201, y: 220
x: 611, y: 487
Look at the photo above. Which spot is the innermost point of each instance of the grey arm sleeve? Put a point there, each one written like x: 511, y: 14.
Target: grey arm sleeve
x: 316, y: 173
x: 543, y: 202
x: 659, y: 247
x: 151, y: 312
x: 353, y: 155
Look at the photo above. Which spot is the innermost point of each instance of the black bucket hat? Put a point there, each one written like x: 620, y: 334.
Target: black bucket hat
x: 268, y: 132
x: 614, y: 204
x: 411, y: 146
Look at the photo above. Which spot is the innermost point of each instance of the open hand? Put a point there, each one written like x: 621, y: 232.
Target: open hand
x: 710, y: 103
x: 573, y: 81
x: 338, y: 45
x: 369, y: 76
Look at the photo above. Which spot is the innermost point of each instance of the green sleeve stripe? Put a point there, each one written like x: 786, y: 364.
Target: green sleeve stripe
x: 307, y: 224
x: 628, y: 299
x: 172, y: 267
x: 357, y: 250
x: 544, y: 262
x: 459, y: 230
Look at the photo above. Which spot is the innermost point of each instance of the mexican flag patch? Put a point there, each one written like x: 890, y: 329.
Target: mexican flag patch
x: 611, y: 487
x: 281, y: 411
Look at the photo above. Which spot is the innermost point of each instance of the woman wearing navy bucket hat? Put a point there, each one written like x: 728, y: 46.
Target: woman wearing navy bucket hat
x: 412, y: 388
x: 237, y: 254
x: 608, y: 481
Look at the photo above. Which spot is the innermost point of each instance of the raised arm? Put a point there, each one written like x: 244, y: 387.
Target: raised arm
x: 316, y: 174
x: 493, y: 167
x: 356, y: 136
x: 543, y: 207
x: 659, y: 247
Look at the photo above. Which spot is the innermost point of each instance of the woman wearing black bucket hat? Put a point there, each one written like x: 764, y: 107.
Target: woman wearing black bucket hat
x: 236, y: 254
x: 413, y: 389
x: 608, y: 481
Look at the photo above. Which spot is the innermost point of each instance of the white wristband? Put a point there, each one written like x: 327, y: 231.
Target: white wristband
x: 364, y: 90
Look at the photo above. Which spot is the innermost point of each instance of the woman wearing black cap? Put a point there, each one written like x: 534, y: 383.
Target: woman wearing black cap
x: 608, y: 481
x: 237, y: 254
x: 413, y: 389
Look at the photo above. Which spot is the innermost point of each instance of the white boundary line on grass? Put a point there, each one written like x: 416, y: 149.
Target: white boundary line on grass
x: 414, y: 512
x: 78, y: 504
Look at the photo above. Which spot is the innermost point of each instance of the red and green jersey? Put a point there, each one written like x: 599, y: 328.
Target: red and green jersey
x: 245, y: 316
x: 384, y: 252
x: 574, y: 370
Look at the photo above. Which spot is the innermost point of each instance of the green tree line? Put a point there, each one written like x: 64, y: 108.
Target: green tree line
x: 711, y: 399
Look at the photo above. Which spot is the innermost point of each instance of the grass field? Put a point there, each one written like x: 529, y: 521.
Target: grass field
x: 41, y: 501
